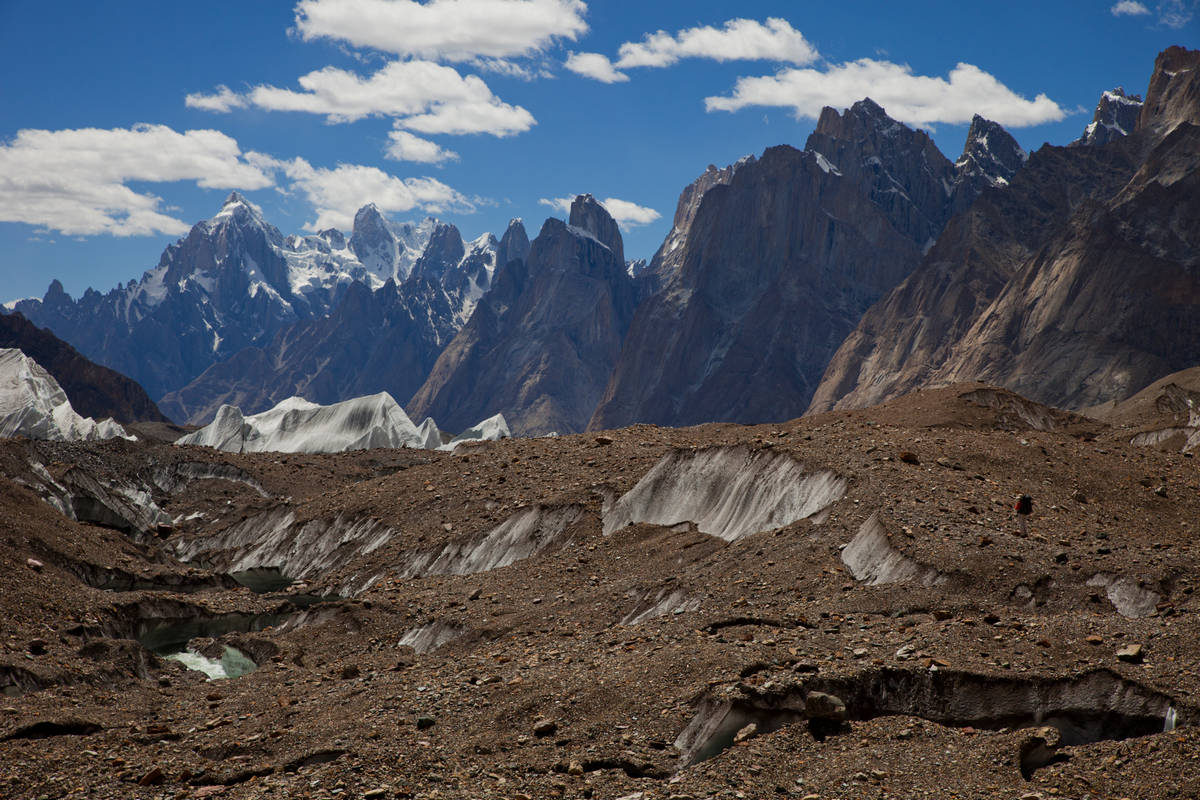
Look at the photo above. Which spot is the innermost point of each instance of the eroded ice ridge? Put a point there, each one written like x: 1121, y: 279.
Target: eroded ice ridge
x: 873, y: 559
x: 524, y: 534
x: 33, y: 405
x: 726, y: 492
x: 298, y: 426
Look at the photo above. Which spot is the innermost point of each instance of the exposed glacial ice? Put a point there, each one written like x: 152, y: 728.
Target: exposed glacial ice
x: 296, y: 425
x: 32, y: 404
x: 727, y: 492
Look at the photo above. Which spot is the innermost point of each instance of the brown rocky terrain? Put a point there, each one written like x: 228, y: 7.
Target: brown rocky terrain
x: 772, y: 261
x: 1076, y: 285
x: 840, y: 606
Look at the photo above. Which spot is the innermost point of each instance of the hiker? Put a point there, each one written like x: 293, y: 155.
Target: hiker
x: 1024, y: 507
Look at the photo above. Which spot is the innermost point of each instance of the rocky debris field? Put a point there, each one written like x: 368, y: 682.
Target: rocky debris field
x: 840, y: 606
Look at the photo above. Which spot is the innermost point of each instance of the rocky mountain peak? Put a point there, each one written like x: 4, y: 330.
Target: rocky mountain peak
x: 589, y: 215
x: 1173, y: 96
x: 241, y: 212
x: 336, y: 238
x: 901, y: 169
x: 668, y: 258
x: 990, y: 153
x: 386, y: 249
x: 444, y: 252
x: 1116, y: 116
x: 514, y: 245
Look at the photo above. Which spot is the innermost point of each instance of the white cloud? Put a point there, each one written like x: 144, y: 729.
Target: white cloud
x: 596, y: 66
x: 338, y: 193
x: 452, y: 30
x: 627, y: 214
x: 1170, y: 13
x: 1176, y: 13
x: 918, y: 100
x: 407, y: 147
x: 739, y: 40
x: 75, y: 181
x: 497, y: 118
x: 221, y: 101
x: 425, y: 96
x: 1129, y: 8
x: 560, y: 204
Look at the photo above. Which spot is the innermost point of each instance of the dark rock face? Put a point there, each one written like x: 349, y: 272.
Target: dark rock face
x: 225, y: 312
x: 667, y: 260
x: 514, y: 244
x: 991, y: 157
x: 899, y: 169
x: 1074, y: 286
x: 764, y: 276
x: 588, y: 215
x: 541, y: 344
x: 94, y: 391
x: 1116, y: 116
x: 1173, y: 96
x: 386, y: 340
x: 225, y: 286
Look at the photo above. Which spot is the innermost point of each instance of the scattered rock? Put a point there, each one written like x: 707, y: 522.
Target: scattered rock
x: 908, y: 457
x: 746, y: 733
x: 36, y: 647
x: 827, y: 707
x: 1131, y: 654
x: 152, y: 778
x: 575, y: 768
x: 545, y: 727
x: 34, y: 564
x: 425, y: 721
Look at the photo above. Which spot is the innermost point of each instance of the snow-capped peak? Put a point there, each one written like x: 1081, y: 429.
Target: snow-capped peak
x: 1116, y: 116
x: 990, y: 154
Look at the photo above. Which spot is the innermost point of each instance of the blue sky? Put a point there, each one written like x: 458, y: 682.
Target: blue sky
x: 121, y: 124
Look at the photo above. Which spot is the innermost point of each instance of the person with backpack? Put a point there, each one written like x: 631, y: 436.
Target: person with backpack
x: 1024, y: 507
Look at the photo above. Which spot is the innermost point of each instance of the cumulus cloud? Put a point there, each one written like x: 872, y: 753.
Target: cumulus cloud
x: 739, y: 40
x: 407, y: 147
x: 221, y: 101
x: 338, y: 193
x: 451, y: 30
x: 1130, y: 8
x: 425, y: 96
x: 918, y: 100
x: 595, y: 66
x: 76, y: 181
x: 627, y: 214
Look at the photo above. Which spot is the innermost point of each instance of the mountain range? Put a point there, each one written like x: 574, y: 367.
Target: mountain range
x: 863, y: 266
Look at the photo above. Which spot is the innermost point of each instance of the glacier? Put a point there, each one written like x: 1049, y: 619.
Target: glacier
x: 297, y: 425
x: 34, y: 405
